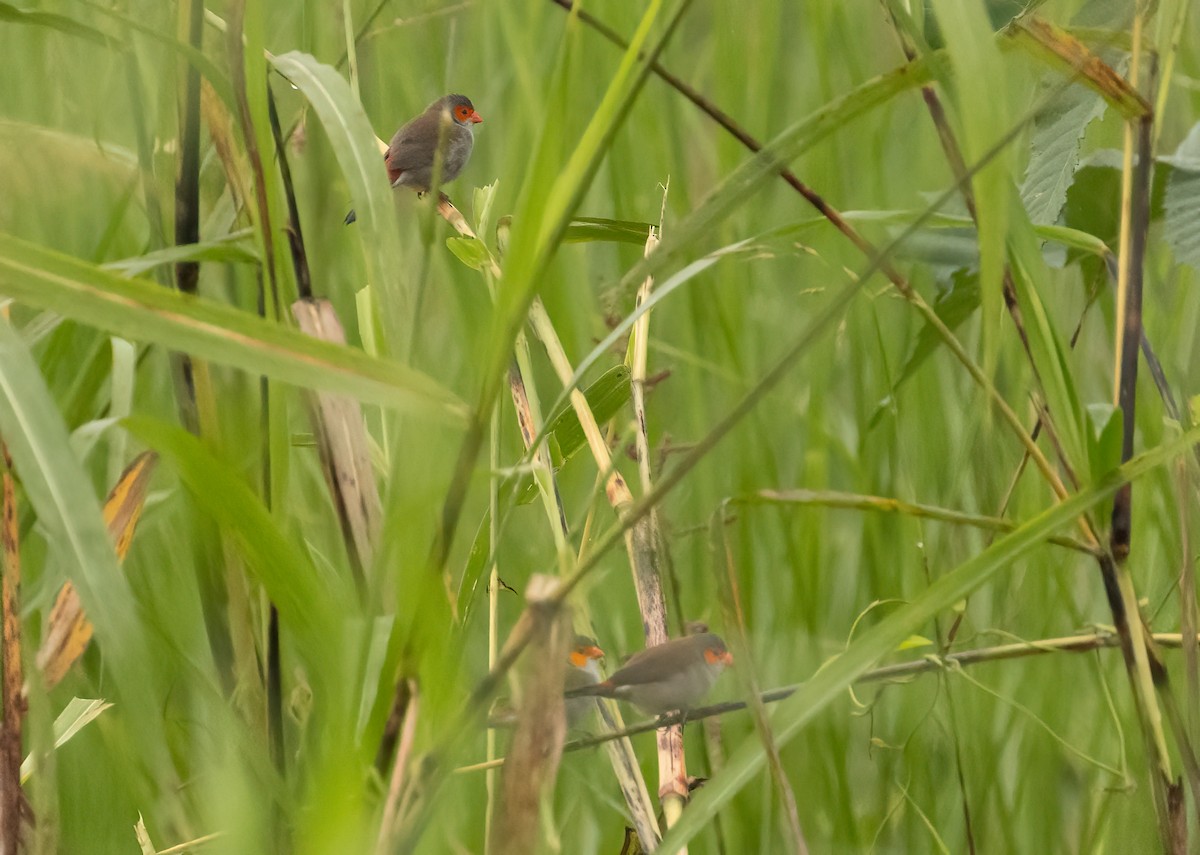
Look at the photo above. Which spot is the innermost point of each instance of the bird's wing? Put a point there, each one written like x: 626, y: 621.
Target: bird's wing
x: 645, y: 666
x: 407, y: 152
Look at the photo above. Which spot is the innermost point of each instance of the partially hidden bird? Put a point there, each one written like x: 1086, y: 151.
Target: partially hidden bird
x: 446, y: 130
x: 581, y: 670
x: 675, y: 675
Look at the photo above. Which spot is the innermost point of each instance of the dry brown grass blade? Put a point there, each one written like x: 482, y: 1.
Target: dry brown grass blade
x: 69, y: 630
x: 1067, y: 52
x: 342, y: 442
x: 532, y: 762
x: 12, y: 800
x: 402, y: 725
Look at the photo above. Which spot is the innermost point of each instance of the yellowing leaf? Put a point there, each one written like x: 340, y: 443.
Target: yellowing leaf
x: 914, y: 641
x: 69, y: 631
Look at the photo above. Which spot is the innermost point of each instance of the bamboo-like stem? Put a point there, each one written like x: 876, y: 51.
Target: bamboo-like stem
x: 888, y: 505
x: 672, y: 765
x: 1149, y: 672
x: 625, y: 767
x: 489, y: 811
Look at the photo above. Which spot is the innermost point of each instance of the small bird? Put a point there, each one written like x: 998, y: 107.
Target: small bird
x: 581, y: 671
x: 584, y: 672
x: 675, y: 675
x: 412, y: 155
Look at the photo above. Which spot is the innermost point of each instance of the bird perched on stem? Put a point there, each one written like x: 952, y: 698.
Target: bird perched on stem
x: 443, y: 133
x: 671, y: 676
x: 581, y: 671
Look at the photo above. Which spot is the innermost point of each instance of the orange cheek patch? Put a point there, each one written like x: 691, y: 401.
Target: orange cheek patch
x: 712, y: 657
x: 578, y: 659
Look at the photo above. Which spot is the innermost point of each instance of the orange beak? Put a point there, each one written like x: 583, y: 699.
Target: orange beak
x: 476, y: 118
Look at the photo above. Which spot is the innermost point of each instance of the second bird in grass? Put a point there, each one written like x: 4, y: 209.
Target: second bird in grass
x: 584, y: 672
x: 671, y: 676
x: 412, y: 156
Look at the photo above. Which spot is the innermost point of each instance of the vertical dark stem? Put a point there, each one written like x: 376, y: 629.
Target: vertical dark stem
x: 187, y: 207
x: 275, y: 691
x: 1132, y: 337
x: 187, y: 182
x: 294, y: 232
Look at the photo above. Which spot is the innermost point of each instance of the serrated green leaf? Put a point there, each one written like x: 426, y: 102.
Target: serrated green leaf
x: 1181, y: 207
x: 1054, y: 150
x: 77, y: 715
x: 483, y: 199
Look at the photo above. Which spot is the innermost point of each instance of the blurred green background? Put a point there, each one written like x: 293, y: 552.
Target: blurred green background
x: 1042, y: 753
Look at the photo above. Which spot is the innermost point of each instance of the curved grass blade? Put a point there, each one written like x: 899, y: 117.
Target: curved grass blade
x: 355, y: 145
x: 310, y: 604
x: 142, y: 311
x: 236, y: 248
x: 63, y: 24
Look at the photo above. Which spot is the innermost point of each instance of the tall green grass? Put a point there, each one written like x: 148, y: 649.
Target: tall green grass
x: 786, y: 359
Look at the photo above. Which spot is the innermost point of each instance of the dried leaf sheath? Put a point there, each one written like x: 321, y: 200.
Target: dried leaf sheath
x: 69, y: 630
x: 342, y: 442
x: 12, y: 800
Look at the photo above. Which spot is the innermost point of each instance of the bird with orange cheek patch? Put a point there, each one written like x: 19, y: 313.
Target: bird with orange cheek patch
x: 671, y: 676
x: 413, y: 151
x: 583, y: 672
x: 445, y: 130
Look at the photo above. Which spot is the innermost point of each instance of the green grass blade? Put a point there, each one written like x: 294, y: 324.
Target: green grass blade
x: 310, y: 604
x: 143, y: 311
x: 354, y: 144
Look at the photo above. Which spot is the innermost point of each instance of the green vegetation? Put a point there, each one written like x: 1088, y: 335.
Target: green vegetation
x: 888, y: 404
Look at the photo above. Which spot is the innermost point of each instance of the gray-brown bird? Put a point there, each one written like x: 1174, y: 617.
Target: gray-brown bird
x: 583, y: 657
x: 446, y: 127
x: 671, y: 676
x: 581, y: 670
